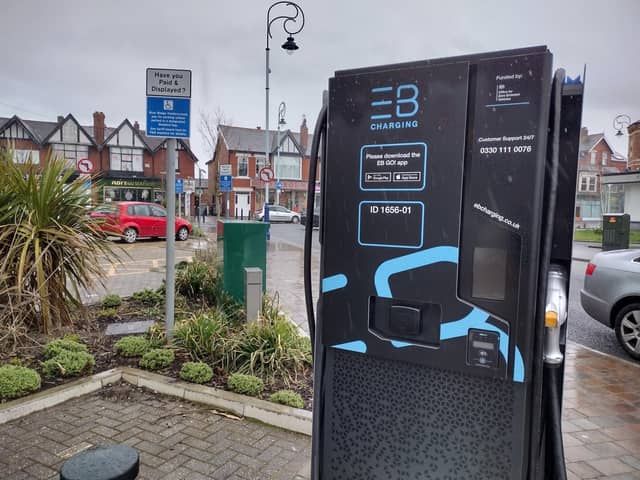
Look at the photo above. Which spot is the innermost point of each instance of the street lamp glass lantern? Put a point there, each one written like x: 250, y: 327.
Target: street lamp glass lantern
x: 290, y: 45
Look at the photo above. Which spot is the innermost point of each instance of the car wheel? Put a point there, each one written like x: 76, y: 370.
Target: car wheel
x: 130, y: 235
x: 295, y: 219
x: 183, y: 234
x: 627, y: 327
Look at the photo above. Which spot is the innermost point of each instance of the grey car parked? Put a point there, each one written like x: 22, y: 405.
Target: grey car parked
x: 611, y: 295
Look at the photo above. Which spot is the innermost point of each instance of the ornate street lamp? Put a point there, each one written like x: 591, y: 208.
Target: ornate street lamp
x: 292, y: 24
x: 620, y: 122
x: 282, y: 110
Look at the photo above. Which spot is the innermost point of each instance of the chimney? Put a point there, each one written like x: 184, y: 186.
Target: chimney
x: 633, y: 160
x: 258, y: 127
x: 60, y: 119
x: 304, y: 134
x: 98, y: 127
x: 136, y: 126
x: 584, y: 133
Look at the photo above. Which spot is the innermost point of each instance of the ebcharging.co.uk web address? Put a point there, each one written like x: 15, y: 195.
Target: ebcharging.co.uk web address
x: 496, y: 216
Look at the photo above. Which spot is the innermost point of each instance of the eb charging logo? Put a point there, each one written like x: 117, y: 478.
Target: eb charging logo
x: 393, y: 109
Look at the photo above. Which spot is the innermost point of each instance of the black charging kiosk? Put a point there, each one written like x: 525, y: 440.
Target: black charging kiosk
x: 447, y: 191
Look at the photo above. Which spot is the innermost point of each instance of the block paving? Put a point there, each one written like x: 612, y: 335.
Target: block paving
x: 176, y: 439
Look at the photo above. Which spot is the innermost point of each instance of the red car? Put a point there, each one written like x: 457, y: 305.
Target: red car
x: 130, y: 220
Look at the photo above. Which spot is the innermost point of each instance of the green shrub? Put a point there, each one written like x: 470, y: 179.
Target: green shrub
x: 108, y: 312
x: 269, y: 348
x: 112, y: 300
x: 157, y: 358
x: 17, y: 381
x: 195, y: 280
x: 203, y: 335
x: 68, y: 364
x: 148, y: 297
x: 287, y: 397
x: 156, y: 335
x: 66, y: 344
x: 245, y: 384
x: 132, y: 346
x: 196, y: 372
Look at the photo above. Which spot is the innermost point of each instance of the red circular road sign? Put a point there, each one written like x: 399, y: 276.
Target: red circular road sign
x: 266, y: 174
x: 85, y: 165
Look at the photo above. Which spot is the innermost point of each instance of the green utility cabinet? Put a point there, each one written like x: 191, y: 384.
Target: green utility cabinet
x: 615, y: 231
x: 241, y: 243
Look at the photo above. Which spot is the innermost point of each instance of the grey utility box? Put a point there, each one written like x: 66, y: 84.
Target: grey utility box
x: 252, y: 292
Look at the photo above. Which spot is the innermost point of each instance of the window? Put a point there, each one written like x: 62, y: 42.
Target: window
x: 126, y: 159
x: 604, y: 158
x: 593, y: 158
x: 243, y: 165
x: 157, y: 211
x: 22, y: 156
x: 71, y: 152
x: 259, y: 163
x: 289, y: 167
x: 588, y: 183
x: 138, y: 210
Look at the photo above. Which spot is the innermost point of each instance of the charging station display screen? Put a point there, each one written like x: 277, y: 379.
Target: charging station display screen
x: 391, y: 224
x: 489, y: 273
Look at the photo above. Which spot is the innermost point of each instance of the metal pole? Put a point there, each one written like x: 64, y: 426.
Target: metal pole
x: 172, y: 153
x: 276, y: 166
x: 266, y: 128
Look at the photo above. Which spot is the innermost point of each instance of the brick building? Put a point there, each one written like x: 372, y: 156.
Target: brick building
x: 244, y: 150
x: 130, y: 165
x: 621, y: 190
x: 596, y: 158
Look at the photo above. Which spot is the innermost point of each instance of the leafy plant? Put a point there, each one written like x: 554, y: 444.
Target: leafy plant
x: 287, y: 397
x: 66, y: 344
x: 195, y: 279
x: 148, y: 297
x: 132, y: 346
x: 157, y: 358
x: 203, y: 335
x: 245, y: 384
x: 48, y: 242
x: 112, y: 300
x: 17, y: 381
x: 269, y: 348
x: 156, y: 335
x: 108, y: 312
x: 68, y: 364
x: 196, y: 372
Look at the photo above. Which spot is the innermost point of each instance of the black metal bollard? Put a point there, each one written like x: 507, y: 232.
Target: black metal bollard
x: 114, y: 462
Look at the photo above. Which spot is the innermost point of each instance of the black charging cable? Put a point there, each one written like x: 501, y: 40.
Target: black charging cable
x: 320, y: 128
x: 552, y: 377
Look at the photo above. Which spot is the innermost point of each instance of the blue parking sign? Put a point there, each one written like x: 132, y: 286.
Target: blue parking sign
x: 179, y: 185
x: 168, y: 117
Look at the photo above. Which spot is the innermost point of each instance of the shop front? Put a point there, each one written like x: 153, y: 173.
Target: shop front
x: 131, y: 189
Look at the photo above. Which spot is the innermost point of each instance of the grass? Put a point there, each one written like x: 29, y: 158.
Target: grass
x: 595, y: 235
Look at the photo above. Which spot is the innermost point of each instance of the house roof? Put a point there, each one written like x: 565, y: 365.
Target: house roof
x: 253, y: 139
x: 41, y: 131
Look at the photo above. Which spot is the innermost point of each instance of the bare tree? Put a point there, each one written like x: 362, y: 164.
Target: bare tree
x: 208, y: 128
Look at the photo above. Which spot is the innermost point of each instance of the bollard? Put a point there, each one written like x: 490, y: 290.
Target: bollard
x: 252, y: 292
x: 115, y: 462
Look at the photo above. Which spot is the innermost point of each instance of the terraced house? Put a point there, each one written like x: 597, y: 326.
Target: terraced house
x: 130, y: 165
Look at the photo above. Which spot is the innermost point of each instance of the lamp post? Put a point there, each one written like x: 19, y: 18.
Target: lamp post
x: 289, y: 24
x: 620, y: 122
x: 282, y: 110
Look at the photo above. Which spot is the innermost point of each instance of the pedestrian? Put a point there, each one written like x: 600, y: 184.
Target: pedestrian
x: 204, y: 214
x: 197, y: 212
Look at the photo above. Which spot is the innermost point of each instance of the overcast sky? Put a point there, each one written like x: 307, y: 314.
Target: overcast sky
x: 79, y: 56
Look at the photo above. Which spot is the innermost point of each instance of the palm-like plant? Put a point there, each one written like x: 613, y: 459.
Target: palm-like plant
x: 49, y: 245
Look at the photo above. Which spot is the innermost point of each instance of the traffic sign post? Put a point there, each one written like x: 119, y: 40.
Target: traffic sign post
x: 168, y: 116
x: 226, y: 183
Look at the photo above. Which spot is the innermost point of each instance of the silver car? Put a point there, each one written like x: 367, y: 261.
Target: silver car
x: 278, y: 213
x: 611, y: 295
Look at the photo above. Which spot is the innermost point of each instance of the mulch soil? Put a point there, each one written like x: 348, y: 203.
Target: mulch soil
x: 92, y: 332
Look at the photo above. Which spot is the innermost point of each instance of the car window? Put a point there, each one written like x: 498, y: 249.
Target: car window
x: 141, y: 210
x: 106, y: 209
x: 277, y: 208
x: 157, y: 211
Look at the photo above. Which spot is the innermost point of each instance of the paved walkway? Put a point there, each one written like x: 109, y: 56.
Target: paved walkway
x: 176, y: 439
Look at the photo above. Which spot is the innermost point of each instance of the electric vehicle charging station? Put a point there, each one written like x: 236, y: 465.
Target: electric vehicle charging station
x: 447, y: 206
